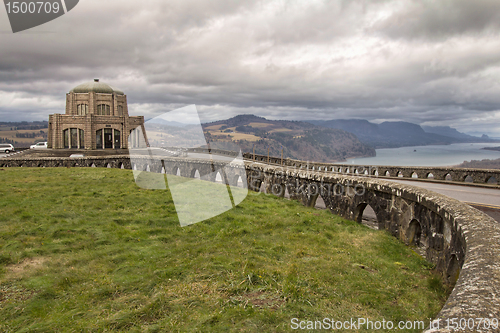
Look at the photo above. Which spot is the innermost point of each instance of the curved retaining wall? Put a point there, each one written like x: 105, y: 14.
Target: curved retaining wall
x: 479, y: 176
x: 461, y: 241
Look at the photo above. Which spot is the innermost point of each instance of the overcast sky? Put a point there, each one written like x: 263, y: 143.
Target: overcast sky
x: 428, y: 62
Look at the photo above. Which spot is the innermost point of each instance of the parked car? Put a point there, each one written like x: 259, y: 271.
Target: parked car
x: 6, y: 148
x: 39, y: 145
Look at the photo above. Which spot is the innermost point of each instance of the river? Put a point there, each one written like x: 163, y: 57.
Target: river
x: 438, y: 155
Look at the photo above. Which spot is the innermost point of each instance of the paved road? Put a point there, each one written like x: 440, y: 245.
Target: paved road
x: 484, y: 199
x: 2, y: 154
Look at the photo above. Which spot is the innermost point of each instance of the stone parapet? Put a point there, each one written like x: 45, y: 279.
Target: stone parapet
x: 446, y: 174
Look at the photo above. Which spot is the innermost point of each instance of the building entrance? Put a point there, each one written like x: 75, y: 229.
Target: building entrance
x: 108, y: 138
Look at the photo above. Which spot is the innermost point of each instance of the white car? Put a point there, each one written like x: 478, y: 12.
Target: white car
x: 6, y: 148
x: 39, y: 145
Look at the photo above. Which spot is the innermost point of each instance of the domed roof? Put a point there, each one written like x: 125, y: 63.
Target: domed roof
x: 97, y: 87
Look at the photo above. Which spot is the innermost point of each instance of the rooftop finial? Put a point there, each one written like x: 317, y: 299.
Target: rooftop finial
x: 96, y: 80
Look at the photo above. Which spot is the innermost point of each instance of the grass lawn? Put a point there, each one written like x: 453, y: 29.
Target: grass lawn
x: 86, y: 250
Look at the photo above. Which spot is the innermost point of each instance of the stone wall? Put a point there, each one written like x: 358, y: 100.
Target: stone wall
x: 479, y: 176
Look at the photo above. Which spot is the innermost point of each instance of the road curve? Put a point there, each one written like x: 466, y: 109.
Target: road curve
x: 484, y: 199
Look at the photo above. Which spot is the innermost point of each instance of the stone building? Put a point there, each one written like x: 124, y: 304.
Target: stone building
x: 96, y: 118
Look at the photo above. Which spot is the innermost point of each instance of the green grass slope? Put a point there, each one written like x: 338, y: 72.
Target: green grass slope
x: 87, y: 250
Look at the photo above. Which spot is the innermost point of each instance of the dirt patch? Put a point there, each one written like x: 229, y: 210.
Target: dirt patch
x: 14, y: 294
x: 260, y: 299
x: 27, y: 266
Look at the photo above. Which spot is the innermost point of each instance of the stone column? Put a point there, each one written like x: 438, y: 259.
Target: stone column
x: 92, y: 106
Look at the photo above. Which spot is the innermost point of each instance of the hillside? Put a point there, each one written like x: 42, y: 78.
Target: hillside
x: 299, y: 140
x: 451, y: 132
x: 23, y: 134
x: 398, y: 134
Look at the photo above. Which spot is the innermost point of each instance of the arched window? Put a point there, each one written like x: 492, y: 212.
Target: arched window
x: 103, y: 110
x: 66, y: 138
x: 98, y: 139
x: 116, y: 139
x: 81, y: 138
x: 74, y: 138
x: 82, y: 109
x: 108, y: 138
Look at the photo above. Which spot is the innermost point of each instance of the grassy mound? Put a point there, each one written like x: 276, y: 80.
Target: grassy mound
x: 87, y: 250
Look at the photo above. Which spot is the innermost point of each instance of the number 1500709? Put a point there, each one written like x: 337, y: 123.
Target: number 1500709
x: 38, y: 7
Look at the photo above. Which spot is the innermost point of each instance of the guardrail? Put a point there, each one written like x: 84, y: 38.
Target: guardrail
x: 447, y: 174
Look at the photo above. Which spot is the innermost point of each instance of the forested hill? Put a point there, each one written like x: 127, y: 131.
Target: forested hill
x: 299, y: 140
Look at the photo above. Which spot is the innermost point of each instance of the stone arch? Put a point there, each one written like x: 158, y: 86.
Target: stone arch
x: 375, y: 172
x: 468, y: 179
x: 366, y: 214
x: 400, y: 174
x: 491, y: 180
x: 238, y: 181
x: 448, y: 177
x: 253, y: 182
x: 287, y: 193
x: 430, y: 175
x: 414, y: 175
x: 176, y: 171
x: 122, y: 166
x: 218, y: 177
x: 387, y: 173
x: 93, y: 165
x: 195, y: 173
x: 108, y: 166
x: 320, y: 203
x: 453, y: 269
x: 414, y: 233
x: 262, y: 187
x: 365, y: 172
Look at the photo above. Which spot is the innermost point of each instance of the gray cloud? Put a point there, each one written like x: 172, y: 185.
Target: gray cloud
x: 429, y: 19
x: 433, y: 63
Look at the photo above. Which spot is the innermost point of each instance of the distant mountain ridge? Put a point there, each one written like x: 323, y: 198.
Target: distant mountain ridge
x: 298, y: 139
x: 449, y: 131
x: 399, y: 133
